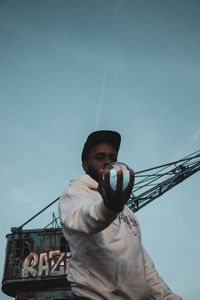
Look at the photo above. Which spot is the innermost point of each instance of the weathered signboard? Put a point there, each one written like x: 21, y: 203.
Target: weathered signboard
x: 49, y: 263
x: 36, y: 260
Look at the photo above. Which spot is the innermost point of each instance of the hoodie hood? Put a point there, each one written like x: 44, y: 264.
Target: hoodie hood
x: 86, y: 180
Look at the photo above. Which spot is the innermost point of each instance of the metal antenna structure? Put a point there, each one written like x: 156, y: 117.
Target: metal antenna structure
x: 150, y: 185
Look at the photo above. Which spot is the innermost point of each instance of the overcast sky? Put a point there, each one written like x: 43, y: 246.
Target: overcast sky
x: 70, y: 67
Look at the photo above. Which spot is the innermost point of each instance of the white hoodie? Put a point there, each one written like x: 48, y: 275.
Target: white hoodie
x: 108, y: 261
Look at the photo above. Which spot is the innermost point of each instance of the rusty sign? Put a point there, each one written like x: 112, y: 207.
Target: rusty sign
x: 36, y: 258
x: 51, y: 263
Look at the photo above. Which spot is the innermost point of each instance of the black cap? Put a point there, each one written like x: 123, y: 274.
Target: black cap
x: 101, y: 136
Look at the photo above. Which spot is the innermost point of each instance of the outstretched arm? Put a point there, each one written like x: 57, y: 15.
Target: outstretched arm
x: 81, y: 211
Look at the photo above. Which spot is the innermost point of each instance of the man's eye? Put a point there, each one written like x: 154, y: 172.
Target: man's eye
x: 99, y: 157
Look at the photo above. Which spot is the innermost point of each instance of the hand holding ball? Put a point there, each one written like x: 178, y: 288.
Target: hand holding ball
x: 115, y: 187
x: 114, y: 167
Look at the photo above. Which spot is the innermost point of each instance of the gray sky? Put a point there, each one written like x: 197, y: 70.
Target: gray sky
x: 70, y: 67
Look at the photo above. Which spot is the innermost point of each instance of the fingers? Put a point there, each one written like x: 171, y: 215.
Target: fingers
x: 107, y: 180
x: 119, y: 186
x: 131, y: 182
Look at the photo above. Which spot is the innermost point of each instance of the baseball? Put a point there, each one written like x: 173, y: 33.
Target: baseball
x: 114, y: 167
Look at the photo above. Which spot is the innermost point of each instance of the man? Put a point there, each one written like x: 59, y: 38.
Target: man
x: 108, y: 261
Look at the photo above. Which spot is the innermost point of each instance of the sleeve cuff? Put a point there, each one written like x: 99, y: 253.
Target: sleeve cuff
x: 105, y: 213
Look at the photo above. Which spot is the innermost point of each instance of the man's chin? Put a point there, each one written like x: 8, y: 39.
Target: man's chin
x: 94, y: 175
x: 96, y: 178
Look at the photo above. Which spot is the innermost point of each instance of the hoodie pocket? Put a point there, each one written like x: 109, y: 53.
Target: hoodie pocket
x: 131, y: 278
x: 104, y: 277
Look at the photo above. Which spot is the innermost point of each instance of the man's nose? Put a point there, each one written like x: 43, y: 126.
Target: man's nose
x: 107, y: 161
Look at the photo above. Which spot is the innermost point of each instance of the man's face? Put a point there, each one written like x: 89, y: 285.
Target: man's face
x: 98, y: 158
